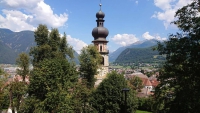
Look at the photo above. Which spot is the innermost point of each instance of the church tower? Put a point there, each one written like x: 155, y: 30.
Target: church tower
x: 100, y: 33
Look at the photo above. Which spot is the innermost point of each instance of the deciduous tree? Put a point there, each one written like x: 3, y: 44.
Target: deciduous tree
x: 90, y: 60
x: 136, y: 83
x: 179, y: 86
x: 23, y: 62
x: 109, y: 97
x: 53, y: 78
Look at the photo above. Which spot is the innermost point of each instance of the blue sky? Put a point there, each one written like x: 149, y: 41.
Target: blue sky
x: 128, y: 21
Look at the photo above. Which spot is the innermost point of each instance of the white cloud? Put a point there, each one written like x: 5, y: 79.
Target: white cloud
x: 147, y: 36
x: 77, y: 44
x: 19, y: 3
x: 168, y: 7
x: 15, y: 20
x: 19, y: 15
x: 124, y: 39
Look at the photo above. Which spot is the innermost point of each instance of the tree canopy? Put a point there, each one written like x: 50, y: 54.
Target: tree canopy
x: 23, y: 62
x: 90, y: 60
x: 109, y: 97
x: 53, y: 77
x: 179, y: 86
x: 49, y: 45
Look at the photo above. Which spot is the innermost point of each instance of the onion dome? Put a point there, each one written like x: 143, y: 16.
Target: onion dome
x: 100, y: 32
x: 100, y: 14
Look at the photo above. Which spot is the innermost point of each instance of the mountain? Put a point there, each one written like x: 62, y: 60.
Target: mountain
x: 7, y: 55
x: 13, y: 43
x: 140, y: 44
x: 17, y: 41
x: 142, y: 55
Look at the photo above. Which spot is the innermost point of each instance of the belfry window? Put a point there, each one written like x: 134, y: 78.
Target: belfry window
x: 102, y: 61
x: 101, y: 48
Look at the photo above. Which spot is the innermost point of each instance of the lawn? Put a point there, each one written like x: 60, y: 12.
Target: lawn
x: 138, y: 111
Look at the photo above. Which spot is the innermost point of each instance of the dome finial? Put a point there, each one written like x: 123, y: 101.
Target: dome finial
x: 100, y: 5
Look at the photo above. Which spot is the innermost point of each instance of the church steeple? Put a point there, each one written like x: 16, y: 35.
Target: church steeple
x: 100, y: 33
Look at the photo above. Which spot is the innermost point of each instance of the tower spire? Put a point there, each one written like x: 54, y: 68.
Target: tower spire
x: 100, y: 5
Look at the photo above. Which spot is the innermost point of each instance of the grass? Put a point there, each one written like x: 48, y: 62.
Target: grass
x: 139, y: 111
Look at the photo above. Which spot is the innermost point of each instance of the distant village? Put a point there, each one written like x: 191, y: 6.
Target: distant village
x: 149, y: 82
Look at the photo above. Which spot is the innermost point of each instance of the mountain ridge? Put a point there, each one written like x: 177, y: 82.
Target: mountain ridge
x: 142, y: 55
x: 14, y: 43
x: 140, y: 44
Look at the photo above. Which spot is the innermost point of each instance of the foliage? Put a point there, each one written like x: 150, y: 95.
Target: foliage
x: 1, y: 72
x: 179, y: 77
x: 109, y: 98
x: 4, y: 99
x: 53, y: 77
x: 50, y: 85
x: 146, y: 104
x: 4, y: 93
x: 23, y: 64
x: 136, y: 83
x: 90, y: 60
x: 49, y: 46
x: 82, y: 96
x: 65, y: 48
x: 17, y: 90
x: 134, y: 55
x: 139, y: 111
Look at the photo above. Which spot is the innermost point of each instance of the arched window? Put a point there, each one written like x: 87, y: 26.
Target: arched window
x: 101, y: 48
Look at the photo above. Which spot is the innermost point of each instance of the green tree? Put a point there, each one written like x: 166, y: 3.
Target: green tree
x: 50, y: 45
x: 90, y: 60
x: 146, y: 103
x: 65, y: 48
x: 82, y: 96
x: 23, y: 64
x: 17, y: 90
x: 109, y: 97
x: 4, y: 92
x: 53, y: 76
x: 50, y: 85
x: 179, y: 86
x: 42, y: 50
x: 54, y: 43
x: 136, y: 83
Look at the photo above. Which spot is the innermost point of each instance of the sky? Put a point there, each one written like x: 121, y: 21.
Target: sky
x: 128, y: 21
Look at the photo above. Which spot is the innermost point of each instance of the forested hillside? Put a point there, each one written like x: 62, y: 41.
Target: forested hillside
x: 143, y: 55
x: 7, y: 55
x: 140, y: 44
